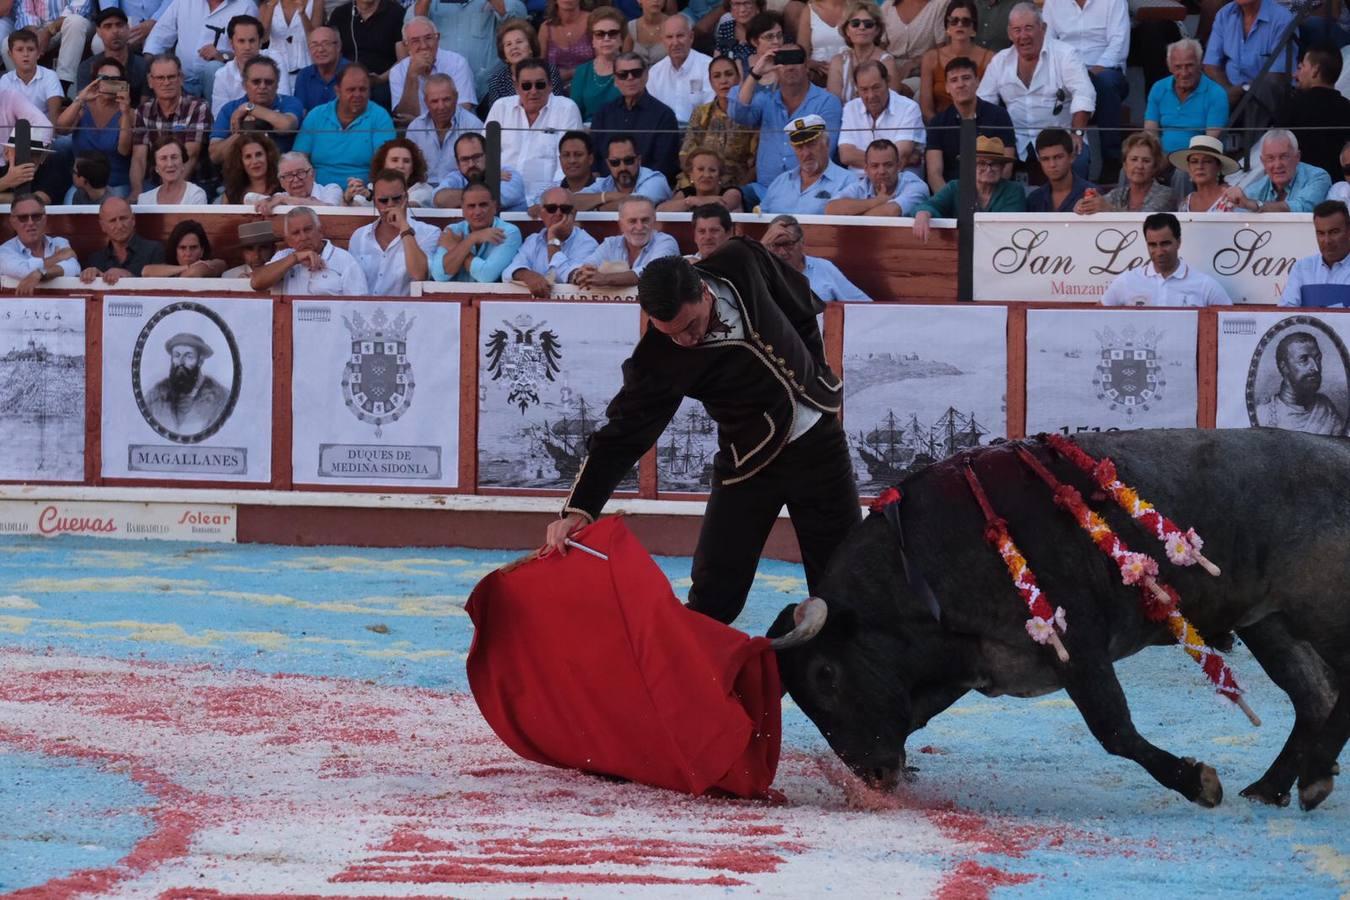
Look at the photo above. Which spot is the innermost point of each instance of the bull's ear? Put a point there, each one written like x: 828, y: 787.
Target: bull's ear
x: 784, y: 623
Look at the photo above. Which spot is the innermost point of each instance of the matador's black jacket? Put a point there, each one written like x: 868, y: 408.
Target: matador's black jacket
x: 750, y: 387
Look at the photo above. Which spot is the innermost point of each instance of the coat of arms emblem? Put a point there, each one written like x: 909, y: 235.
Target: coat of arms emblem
x: 377, y: 382
x: 1129, y: 376
x: 525, y: 357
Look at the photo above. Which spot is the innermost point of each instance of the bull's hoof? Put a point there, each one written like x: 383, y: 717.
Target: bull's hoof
x: 1209, y: 790
x: 1312, y: 793
x: 1260, y: 792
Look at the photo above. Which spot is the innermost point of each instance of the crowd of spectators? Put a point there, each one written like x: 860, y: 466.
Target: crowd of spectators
x: 785, y: 107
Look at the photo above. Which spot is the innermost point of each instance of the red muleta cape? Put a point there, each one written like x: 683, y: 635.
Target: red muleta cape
x: 586, y: 664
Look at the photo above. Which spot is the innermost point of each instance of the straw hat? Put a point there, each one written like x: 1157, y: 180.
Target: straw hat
x: 1208, y: 146
x: 989, y: 146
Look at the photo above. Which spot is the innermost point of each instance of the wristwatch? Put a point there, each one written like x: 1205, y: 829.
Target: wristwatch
x: 248, y: 107
x: 407, y: 232
x: 1077, y: 132
x: 554, y: 242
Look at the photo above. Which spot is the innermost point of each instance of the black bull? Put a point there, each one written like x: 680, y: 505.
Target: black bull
x: 1273, y: 508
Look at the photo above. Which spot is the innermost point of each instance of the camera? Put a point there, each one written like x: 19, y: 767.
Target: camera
x: 793, y: 56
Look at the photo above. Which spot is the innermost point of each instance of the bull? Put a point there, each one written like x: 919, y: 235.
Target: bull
x: 870, y: 661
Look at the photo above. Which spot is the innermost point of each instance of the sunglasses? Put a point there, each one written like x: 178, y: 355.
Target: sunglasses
x: 29, y: 218
x: 864, y: 24
x: 961, y: 20
x: 607, y: 34
x: 624, y: 161
x: 385, y: 201
x: 533, y: 85
x: 553, y: 208
x: 1060, y: 99
x: 625, y: 74
x: 262, y: 82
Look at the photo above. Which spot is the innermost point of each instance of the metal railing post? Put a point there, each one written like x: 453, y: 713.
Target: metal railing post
x: 965, y: 214
x: 492, y: 166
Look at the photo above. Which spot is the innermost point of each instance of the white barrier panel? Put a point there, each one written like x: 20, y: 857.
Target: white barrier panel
x: 1107, y: 370
x: 42, y: 373
x: 197, y: 522
x: 206, y: 418
x: 1075, y: 258
x: 1284, y: 371
x: 375, y: 393
x: 546, y: 371
x: 921, y: 382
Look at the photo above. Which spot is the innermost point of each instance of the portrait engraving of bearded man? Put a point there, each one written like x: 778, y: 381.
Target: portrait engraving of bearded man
x: 188, y: 401
x: 1299, y: 404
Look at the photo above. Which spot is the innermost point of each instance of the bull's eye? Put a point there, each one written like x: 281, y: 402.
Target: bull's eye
x: 825, y: 677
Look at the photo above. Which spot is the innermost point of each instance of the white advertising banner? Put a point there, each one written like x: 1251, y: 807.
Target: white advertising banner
x: 546, y: 372
x: 187, y: 388
x: 375, y: 393
x: 1108, y: 370
x: 42, y: 389
x: 921, y: 383
x: 1071, y: 258
x: 201, y: 522
x: 1284, y: 371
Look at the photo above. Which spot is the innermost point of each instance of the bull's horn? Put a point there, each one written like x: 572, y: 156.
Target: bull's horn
x: 810, y: 618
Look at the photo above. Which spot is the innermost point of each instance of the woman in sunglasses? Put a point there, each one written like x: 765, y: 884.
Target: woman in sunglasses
x: 593, y: 82
x: 961, y: 22
x: 866, y: 41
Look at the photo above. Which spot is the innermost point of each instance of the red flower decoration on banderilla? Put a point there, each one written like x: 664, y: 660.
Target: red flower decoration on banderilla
x: 885, y: 499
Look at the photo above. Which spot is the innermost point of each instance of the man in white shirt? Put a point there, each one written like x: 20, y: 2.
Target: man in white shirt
x: 31, y: 256
x: 619, y: 260
x: 1043, y: 83
x: 532, y: 121
x: 195, y: 31
x: 296, y: 174
x: 1323, y: 279
x: 393, y: 250
x: 878, y: 113
x: 310, y: 264
x: 245, y: 34
x: 407, y: 77
x: 1167, y: 280
x: 547, y: 252
x: 1099, y: 31
x: 680, y: 80
x: 38, y: 84
x: 436, y: 130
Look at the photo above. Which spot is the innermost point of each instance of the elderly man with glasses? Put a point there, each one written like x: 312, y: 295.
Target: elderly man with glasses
x: 298, y: 188
x: 394, y: 250
x: 31, y: 256
x: 310, y: 264
x: 169, y: 111
x: 246, y: 37
x: 316, y: 83
x: 425, y: 57
x: 531, y: 122
x: 638, y: 113
x: 549, y: 250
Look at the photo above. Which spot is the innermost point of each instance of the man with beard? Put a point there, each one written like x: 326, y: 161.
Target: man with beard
x: 627, y: 176
x: 471, y: 163
x: 619, y: 260
x: 816, y: 180
x: 1299, y: 404
x: 189, y: 401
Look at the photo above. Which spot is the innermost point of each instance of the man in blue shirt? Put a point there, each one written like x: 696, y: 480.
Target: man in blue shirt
x: 1323, y: 279
x: 545, y: 253
x: 885, y: 190
x: 260, y: 109
x: 627, y: 176
x: 479, y: 247
x: 785, y: 240
x: 1187, y: 103
x: 816, y: 180
x: 1245, y: 33
x: 1288, y: 184
x: 638, y: 113
x: 620, y: 259
x: 471, y: 164
x: 341, y: 137
x: 316, y: 84
x: 770, y: 110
